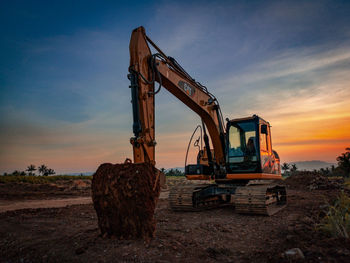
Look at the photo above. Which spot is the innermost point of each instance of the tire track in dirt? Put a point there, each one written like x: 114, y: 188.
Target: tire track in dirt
x: 51, y: 203
x: 6, y: 205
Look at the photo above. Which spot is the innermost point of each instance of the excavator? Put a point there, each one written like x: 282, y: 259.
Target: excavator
x: 236, y: 166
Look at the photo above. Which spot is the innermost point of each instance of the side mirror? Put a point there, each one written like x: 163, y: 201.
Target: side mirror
x: 264, y: 129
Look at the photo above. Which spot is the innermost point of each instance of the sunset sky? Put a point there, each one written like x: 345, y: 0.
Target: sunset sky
x: 65, y: 100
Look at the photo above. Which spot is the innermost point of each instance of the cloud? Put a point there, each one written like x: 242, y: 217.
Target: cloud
x: 307, y: 74
x: 65, y: 96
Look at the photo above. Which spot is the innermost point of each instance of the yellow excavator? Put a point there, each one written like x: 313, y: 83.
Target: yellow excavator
x: 242, y: 167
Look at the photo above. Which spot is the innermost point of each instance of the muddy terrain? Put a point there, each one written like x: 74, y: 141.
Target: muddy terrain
x: 71, y: 234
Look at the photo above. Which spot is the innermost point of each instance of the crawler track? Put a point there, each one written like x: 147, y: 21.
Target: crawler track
x: 262, y: 199
x: 182, y: 198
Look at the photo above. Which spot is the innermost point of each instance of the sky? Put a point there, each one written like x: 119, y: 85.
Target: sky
x: 65, y: 101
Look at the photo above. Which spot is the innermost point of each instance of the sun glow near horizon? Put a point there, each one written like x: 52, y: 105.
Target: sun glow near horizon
x: 65, y: 100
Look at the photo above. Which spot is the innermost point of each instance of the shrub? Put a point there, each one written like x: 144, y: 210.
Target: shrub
x: 337, y: 220
x: 174, y: 172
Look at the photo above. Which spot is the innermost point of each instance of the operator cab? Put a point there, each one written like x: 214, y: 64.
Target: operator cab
x: 249, y: 147
x: 249, y: 153
x: 242, y: 146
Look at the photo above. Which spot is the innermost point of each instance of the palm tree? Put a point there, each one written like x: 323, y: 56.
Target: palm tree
x: 327, y: 171
x: 42, y: 169
x: 31, y: 168
x: 285, y: 167
x: 16, y: 173
x: 50, y: 172
x: 333, y: 168
x: 294, y: 168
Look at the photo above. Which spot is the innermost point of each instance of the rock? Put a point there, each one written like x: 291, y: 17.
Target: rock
x: 294, y: 254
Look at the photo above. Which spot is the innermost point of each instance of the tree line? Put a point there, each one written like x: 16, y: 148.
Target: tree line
x: 342, y: 169
x: 43, y: 170
x: 172, y: 172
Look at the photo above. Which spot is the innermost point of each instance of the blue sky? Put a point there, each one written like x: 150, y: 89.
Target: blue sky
x: 65, y: 100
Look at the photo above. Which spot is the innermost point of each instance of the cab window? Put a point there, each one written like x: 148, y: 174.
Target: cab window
x: 242, y: 147
x: 242, y: 140
x: 263, y: 141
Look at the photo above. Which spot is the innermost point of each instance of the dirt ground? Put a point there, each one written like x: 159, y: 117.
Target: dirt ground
x: 59, y: 189
x: 71, y: 234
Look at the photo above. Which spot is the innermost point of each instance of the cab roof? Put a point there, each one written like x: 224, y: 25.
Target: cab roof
x: 253, y: 117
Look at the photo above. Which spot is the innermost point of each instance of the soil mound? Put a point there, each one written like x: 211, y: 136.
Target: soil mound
x: 313, y: 180
x: 125, y: 197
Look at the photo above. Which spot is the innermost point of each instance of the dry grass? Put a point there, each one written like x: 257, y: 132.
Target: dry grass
x: 337, y: 220
x: 347, y: 183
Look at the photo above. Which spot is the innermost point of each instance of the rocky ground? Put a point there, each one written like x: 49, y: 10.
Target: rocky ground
x: 71, y: 234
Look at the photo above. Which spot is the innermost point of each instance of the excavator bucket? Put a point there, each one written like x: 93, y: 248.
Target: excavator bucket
x: 125, y: 196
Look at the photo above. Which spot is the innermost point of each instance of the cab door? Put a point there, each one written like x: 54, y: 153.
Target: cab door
x: 265, y: 148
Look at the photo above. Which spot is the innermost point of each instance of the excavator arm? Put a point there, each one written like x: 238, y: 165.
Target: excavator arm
x: 146, y: 69
x: 244, y: 189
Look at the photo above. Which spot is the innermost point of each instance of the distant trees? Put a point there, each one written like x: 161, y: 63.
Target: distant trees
x: 42, y: 169
x: 326, y: 171
x: 344, y: 162
x: 30, y: 169
x: 289, y: 169
x: 173, y: 172
x: 16, y: 173
x: 343, y: 168
x: 285, y: 167
x: 45, y: 171
x: 50, y: 172
x: 293, y: 168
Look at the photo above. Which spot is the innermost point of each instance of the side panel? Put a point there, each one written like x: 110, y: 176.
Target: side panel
x: 269, y: 164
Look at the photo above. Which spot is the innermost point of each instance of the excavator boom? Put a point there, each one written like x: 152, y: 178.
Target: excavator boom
x: 146, y: 69
x: 241, y: 161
